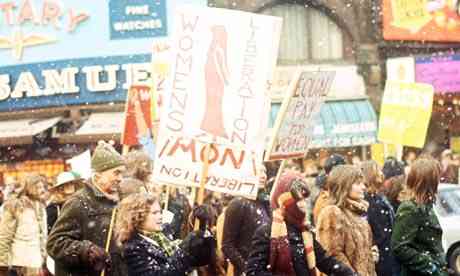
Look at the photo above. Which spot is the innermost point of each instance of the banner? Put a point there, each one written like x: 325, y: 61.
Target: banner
x: 421, y: 20
x: 138, y: 120
x: 294, y: 124
x: 440, y: 71
x: 405, y: 113
x: 217, y: 94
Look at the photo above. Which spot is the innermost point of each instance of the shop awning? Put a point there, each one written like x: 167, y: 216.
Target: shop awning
x: 341, y: 123
x: 20, y: 132
x: 98, y: 126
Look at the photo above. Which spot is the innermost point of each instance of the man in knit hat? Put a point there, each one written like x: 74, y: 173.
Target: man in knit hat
x: 80, y: 235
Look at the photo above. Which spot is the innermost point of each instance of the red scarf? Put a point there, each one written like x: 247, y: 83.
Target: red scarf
x: 280, y: 253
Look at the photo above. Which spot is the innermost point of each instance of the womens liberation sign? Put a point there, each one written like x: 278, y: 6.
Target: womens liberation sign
x: 223, y: 61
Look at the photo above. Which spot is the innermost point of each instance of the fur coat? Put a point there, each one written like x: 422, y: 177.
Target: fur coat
x: 346, y: 235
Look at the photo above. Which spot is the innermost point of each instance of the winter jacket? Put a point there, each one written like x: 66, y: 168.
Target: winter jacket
x: 23, y: 235
x: 260, y: 254
x: 321, y: 202
x: 145, y: 258
x: 181, y: 209
x: 52, y: 213
x: 381, y: 217
x: 84, y: 221
x: 347, y: 236
x: 242, y: 218
x: 416, y: 240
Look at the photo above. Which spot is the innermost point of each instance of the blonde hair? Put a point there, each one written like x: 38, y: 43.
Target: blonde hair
x: 370, y: 170
x: 423, y: 180
x: 24, y: 192
x: 340, y: 182
x: 132, y: 212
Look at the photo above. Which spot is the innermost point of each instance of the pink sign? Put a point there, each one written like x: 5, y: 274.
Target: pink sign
x: 441, y: 72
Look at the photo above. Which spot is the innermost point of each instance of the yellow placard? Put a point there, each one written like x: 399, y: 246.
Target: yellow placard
x: 405, y: 113
x: 381, y: 151
x: 455, y: 144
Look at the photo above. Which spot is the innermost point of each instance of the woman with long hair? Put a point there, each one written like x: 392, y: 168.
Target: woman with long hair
x: 342, y: 226
x: 416, y: 240
x: 381, y: 217
x: 146, y: 249
x: 23, y: 229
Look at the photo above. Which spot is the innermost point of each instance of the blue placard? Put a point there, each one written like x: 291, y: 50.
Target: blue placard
x: 80, y: 70
x: 137, y: 19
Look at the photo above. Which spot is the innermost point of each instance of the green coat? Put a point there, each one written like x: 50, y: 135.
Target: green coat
x: 84, y: 220
x: 416, y: 240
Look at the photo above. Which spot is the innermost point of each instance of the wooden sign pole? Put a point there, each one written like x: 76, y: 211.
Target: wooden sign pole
x: 204, y: 176
x: 168, y: 189
x: 125, y: 150
x: 109, y: 235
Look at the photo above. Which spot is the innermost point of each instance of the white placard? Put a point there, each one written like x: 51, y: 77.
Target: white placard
x: 217, y: 94
x: 81, y: 164
x: 294, y: 125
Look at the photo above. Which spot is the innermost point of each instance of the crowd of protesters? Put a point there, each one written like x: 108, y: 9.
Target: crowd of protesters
x: 346, y: 218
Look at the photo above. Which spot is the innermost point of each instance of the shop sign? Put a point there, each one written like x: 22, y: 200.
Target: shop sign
x: 137, y: 19
x: 71, y: 82
x: 74, y: 60
x: 49, y: 16
x: 443, y: 72
x: 421, y: 20
x: 44, y: 30
x: 339, y: 141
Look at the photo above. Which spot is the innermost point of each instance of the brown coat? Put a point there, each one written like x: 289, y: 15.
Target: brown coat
x: 321, y: 202
x: 348, y: 237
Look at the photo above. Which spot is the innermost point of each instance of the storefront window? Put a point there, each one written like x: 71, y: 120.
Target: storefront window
x: 308, y: 35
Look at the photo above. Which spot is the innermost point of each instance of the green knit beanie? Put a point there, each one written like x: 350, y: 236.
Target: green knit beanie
x: 105, y: 157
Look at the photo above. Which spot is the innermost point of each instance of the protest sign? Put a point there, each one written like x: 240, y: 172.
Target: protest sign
x: 294, y: 124
x: 455, y: 144
x: 401, y: 69
x: 81, y: 164
x: 216, y: 95
x: 405, y: 113
x: 161, y: 65
x: 379, y: 152
x: 138, y: 120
